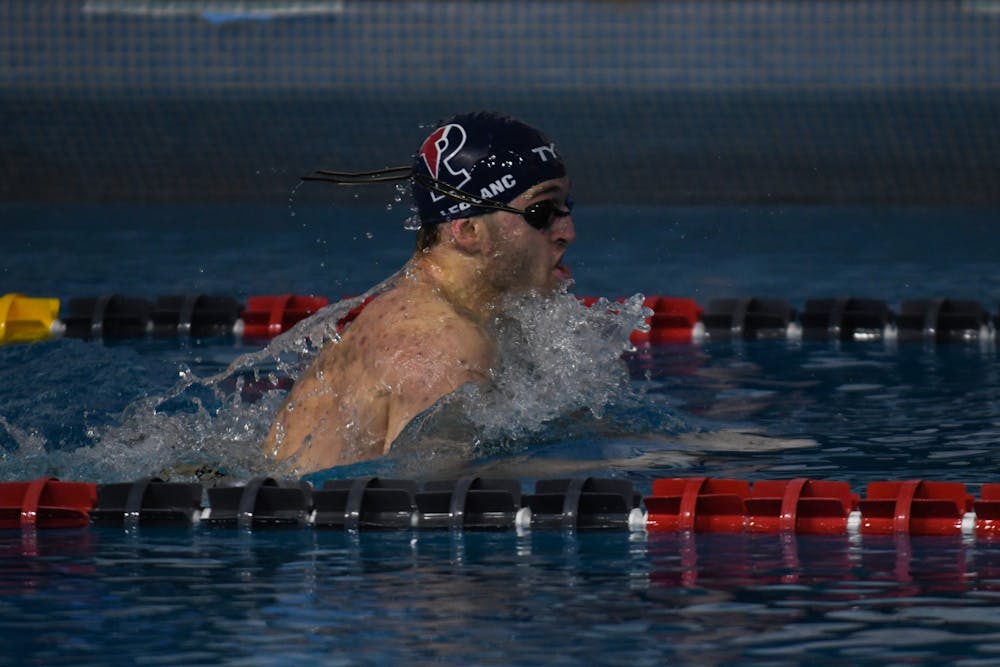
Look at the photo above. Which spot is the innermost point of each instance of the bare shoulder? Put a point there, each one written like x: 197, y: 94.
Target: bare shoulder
x: 416, y: 348
x: 408, y: 333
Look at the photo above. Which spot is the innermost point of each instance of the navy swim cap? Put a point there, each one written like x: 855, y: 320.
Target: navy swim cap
x: 482, y: 154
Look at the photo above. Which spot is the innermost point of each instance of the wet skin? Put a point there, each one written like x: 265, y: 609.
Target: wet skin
x: 422, y: 339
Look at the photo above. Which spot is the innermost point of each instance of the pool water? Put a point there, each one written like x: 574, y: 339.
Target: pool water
x: 774, y: 409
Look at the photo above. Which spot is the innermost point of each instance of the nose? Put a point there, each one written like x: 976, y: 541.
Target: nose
x: 563, y: 232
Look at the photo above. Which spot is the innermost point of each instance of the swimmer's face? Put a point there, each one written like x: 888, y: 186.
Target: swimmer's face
x: 521, y: 257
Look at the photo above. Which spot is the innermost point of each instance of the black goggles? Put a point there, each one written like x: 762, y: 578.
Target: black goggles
x: 540, y: 215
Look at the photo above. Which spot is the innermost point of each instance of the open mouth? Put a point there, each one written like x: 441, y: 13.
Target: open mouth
x: 561, y: 271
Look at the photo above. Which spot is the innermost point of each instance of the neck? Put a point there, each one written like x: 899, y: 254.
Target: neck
x: 457, y: 279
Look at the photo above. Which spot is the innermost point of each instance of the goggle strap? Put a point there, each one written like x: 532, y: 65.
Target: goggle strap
x: 390, y: 174
x: 360, y: 177
x: 442, y: 188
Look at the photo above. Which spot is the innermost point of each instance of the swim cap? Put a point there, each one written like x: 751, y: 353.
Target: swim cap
x: 485, y: 155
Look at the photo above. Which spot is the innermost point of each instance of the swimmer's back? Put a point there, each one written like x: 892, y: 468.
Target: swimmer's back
x: 405, y: 350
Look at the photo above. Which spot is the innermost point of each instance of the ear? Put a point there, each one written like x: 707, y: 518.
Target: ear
x: 467, y: 234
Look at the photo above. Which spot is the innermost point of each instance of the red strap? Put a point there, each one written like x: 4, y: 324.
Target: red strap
x: 904, y: 505
x: 689, y: 503
x: 790, y: 504
x: 32, y: 497
x: 277, y: 320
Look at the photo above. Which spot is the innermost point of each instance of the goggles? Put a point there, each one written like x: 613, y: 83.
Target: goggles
x: 540, y: 215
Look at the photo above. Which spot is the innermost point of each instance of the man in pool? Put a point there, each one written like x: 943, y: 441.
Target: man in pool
x: 492, y: 196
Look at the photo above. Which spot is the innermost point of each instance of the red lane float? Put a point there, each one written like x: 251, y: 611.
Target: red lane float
x: 268, y: 316
x: 46, y: 503
x: 803, y: 506
x: 915, y: 507
x: 674, y: 320
x: 699, y: 504
x: 800, y: 506
x: 987, y: 510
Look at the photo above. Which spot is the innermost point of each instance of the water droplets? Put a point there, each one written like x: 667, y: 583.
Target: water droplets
x: 291, y: 198
x: 412, y: 223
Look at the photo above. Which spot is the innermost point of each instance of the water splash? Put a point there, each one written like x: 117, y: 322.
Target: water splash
x: 556, y: 356
x: 30, y: 453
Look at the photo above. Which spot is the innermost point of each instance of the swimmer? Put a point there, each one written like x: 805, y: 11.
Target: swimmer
x: 492, y: 196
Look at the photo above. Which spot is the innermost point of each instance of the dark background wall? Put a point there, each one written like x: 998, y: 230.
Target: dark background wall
x: 700, y: 101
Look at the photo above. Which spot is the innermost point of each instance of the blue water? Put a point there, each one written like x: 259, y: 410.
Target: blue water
x: 855, y: 412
